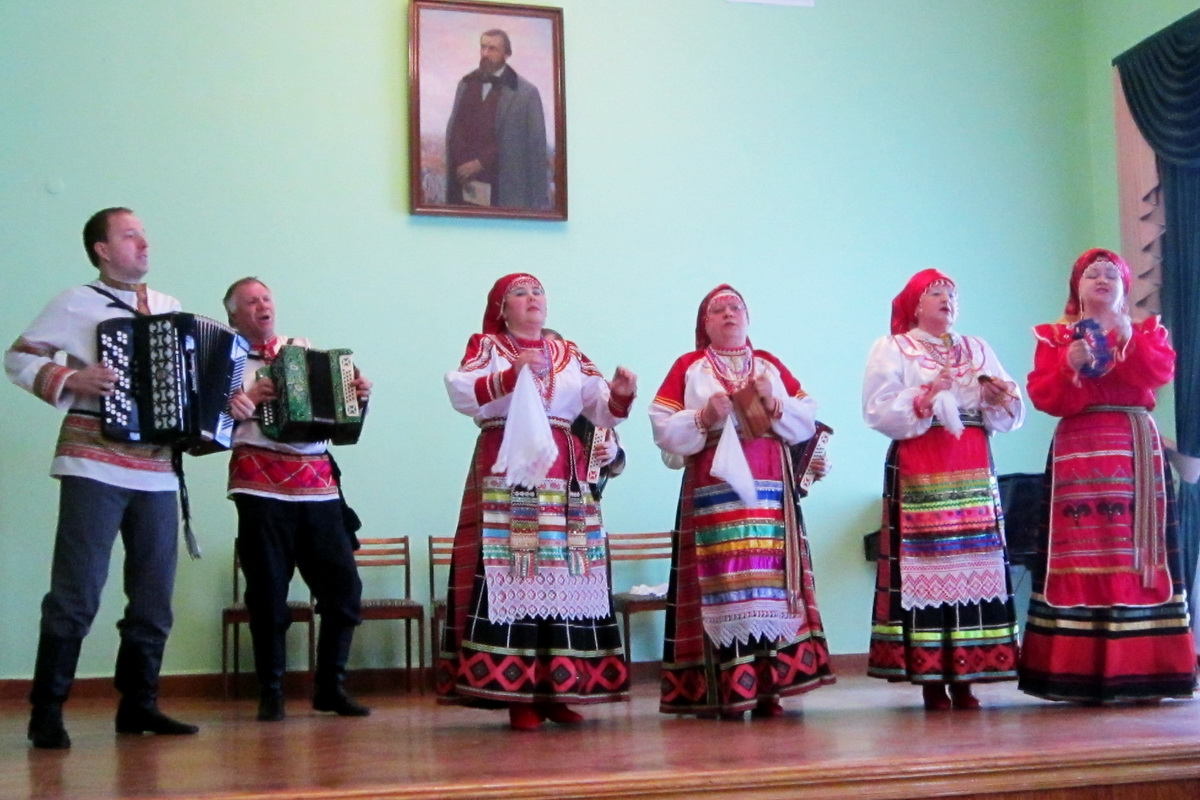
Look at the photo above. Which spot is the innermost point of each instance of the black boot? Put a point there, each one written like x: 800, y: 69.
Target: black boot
x: 333, y: 648
x: 53, y: 674
x: 138, y: 664
x: 270, y: 661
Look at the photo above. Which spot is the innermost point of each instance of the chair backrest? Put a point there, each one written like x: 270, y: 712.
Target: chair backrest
x: 386, y: 552
x: 639, y: 546
x: 441, y: 549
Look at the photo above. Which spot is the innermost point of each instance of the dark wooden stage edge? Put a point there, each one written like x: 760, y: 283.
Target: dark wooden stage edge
x: 860, y: 738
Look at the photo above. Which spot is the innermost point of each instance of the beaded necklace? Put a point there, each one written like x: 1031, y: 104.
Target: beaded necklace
x: 733, y: 368
x: 543, y: 377
x: 942, y: 350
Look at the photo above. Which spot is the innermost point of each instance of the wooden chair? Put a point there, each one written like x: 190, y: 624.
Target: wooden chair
x: 394, y: 552
x: 441, y: 549
x: 237, y: 614
x: 638, y: 547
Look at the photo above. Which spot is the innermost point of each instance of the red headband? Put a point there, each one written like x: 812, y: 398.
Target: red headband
x: 1083, y: 262
x: 493, y: 315
x: 702, y: 340
x: 904, y: 306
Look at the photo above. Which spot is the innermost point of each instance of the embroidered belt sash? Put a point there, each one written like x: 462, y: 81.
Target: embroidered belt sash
x: 1107, y: 544
x: 951, y: 545
x: 272, y: 472
x: 80, y: 437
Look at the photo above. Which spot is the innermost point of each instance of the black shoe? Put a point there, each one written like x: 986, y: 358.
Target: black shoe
x: 337, y: 701
x: 46, y: 729
x: 270, y: 707
x: 136, y: 719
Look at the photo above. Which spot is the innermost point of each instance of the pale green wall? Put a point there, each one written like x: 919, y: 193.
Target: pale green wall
x: 814, y: 157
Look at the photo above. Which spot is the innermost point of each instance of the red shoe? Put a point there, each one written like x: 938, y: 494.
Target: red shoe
x: 767, y: 708
x: 559, y: 713
x: 935, y: 697
x: 961, y: 697
x: 523, y: 717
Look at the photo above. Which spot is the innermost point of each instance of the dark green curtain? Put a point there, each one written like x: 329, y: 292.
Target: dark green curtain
x: 1161, y: 79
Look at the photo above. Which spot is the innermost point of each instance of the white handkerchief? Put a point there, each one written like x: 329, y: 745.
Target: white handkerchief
x: 527, y: 450
x: 946, y: 408
x: 729, y: 464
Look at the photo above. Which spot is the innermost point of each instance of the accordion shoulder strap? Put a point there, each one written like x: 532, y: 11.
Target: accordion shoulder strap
x: 116, y: 301
x: 189, y: 536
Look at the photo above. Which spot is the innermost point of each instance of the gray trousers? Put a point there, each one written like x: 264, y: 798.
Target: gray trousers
x: 90, y: 515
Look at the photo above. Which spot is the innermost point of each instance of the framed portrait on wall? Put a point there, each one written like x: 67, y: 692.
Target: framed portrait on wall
x: 487, y: 117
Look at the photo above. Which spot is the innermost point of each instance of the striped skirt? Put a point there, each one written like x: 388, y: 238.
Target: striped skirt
x: 943, y: 610
x: 742, y: 619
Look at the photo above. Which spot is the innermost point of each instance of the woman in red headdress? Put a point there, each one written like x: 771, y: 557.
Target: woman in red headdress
x: 743, y: 628
x: 530, y: 624
x: 943, y: 612
x: 1108, y: 616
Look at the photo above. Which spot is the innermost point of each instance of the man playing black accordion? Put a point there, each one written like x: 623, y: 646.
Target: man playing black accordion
x: 105, y: 486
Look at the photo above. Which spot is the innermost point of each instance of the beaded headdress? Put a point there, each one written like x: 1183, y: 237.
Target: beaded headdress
x: 493, y: 315
x: 1072, y: 309
x: 904, y: 306
x: 702, y: 340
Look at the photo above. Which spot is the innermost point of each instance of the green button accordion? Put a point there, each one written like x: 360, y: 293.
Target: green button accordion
x: 315, y: 397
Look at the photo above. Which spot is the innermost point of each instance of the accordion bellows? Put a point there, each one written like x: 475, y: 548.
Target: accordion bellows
x: 175, y: 375
x: 315, y: 397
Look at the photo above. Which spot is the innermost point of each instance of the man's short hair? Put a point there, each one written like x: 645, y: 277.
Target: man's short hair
x: 227, y: 301
x: 96, y: 230
x: 502, y: 35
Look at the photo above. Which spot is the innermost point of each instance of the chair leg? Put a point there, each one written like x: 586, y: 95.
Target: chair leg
x: 435, y: 635
x: 421, y: 654
x: 237, y: 649
x: 225, y: 661
x: 408, y: 655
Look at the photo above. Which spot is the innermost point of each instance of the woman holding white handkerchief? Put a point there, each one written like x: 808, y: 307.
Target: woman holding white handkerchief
x: 743, y: 629
x: 530, y: 623
x: 943, y: 612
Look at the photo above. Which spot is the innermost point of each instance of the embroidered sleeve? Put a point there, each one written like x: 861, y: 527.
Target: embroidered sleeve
x: 796, y: 414
x: 1147, y: 361
x: 495, y: 385
x: 600, y: 405
x: 677, y: 429
x: 887, y: 398
x: 31, y: 366
x: 482, y: 377
x: 1051, y: 385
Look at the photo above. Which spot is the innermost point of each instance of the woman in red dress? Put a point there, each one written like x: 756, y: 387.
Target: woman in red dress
x: 1108, y: 616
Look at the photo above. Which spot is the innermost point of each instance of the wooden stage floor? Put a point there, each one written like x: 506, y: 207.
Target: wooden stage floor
x: 859, y: 738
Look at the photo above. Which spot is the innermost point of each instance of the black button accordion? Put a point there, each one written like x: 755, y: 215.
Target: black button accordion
x: 176, y: 373
x: 315, y: 398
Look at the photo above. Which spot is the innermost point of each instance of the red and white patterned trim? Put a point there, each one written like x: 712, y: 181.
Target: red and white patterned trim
x: 80, y: 437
